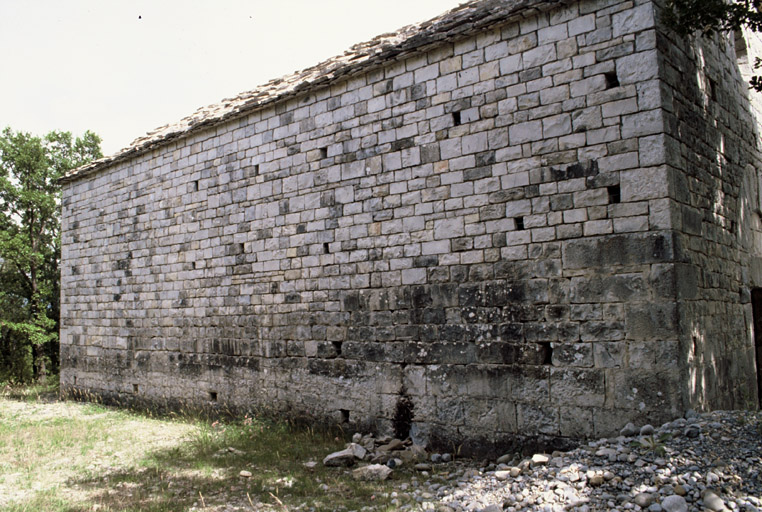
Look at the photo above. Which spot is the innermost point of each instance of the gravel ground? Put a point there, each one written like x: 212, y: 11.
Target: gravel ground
x: 709, y: 461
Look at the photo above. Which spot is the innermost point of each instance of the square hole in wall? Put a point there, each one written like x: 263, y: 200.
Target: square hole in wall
x: 712, y: 89
x: 135, y: 388
x: 519, y: 221
x: 611, y: 80
x: 456, y: 119
x: 615, y: 194
x: 212, y: 396
x: 546, y: 352
x: 323, y: 152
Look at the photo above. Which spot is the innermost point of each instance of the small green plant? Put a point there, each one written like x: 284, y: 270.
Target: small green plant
x: 652, y: 443
x: 455, y: 450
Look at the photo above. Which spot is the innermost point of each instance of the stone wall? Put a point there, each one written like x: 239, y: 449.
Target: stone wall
x: 484, y: 238
x: 712, y: 166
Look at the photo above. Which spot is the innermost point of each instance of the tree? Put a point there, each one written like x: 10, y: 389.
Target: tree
x: 30, y: 246
x: 710, y: 16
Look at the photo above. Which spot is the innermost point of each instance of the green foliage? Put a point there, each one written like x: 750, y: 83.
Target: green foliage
x: 30, y: 246
x: 652, y: 443
x: 710, y: 16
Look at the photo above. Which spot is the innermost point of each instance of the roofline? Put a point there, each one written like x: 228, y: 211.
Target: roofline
x: 456, y: 23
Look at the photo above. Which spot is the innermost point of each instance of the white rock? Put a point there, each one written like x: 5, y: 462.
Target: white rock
x: 674, y: 503
x: 340, y: 458
x: 358, y: 450
x: 539, y: 459
x: 712, y: 501
x: 372, y: 472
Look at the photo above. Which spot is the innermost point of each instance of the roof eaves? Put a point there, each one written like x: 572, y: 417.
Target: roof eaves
x: 456, y: 23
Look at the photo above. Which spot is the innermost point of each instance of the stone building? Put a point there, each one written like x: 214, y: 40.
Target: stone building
x: 521, y: 218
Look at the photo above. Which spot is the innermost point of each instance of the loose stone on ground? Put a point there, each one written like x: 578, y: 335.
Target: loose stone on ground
x: 703, y: 462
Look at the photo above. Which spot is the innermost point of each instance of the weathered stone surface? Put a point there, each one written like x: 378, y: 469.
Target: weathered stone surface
x: 632, y: 20
x: 619, y: 250
x: 712, y: 501
x: 674, y: 503
x: 345, y: 457
x: 629, y: 430
x: 640, y: 184
x: 539, y: 459
x: 643, y: 499
x: 372, y: 472
x: 653, y: 321
x: 637, y: 67
x: 616, y: 288
x: 578, y: 387
x: 517, y: 219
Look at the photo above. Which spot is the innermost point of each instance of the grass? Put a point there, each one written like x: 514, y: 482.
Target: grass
x: 67, y: 456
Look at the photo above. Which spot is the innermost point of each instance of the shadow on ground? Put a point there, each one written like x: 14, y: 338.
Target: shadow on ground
x: 204, y: 472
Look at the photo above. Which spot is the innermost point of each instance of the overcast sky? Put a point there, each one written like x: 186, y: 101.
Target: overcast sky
x: 121, y: 68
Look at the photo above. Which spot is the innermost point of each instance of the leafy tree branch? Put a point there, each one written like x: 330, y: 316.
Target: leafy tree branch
x: 710, y: 16
x: 30, y: 245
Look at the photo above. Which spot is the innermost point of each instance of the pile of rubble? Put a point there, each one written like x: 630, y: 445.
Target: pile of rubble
x: 382, y: 455
x: 710, y: 461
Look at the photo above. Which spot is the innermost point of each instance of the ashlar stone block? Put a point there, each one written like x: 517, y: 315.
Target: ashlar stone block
x: 633, y: 20
x: 638, y: 67
x: 578, y: 387
x: 642, y: 184
x: 512, y: 221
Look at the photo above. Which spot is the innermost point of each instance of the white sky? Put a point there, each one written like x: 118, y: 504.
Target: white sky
x: 121, y: 68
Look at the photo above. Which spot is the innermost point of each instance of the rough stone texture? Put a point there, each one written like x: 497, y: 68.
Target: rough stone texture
x: 714, y: 166
x: 372, y: 472
x: 522, y: 218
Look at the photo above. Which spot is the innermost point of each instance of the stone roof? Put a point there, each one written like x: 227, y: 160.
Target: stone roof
x: 459, y: 22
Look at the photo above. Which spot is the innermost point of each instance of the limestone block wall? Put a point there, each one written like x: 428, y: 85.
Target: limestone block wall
x: 474, y: 241
x: 713, y: 166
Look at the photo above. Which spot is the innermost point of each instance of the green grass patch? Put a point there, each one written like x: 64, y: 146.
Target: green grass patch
x: 73, y: 457
x: 41, y: 391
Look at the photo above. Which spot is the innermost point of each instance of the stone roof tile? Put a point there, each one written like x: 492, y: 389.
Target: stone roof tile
x: 458, y: 22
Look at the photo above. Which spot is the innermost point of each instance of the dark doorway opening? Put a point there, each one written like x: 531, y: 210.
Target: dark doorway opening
x: 756, y: 305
